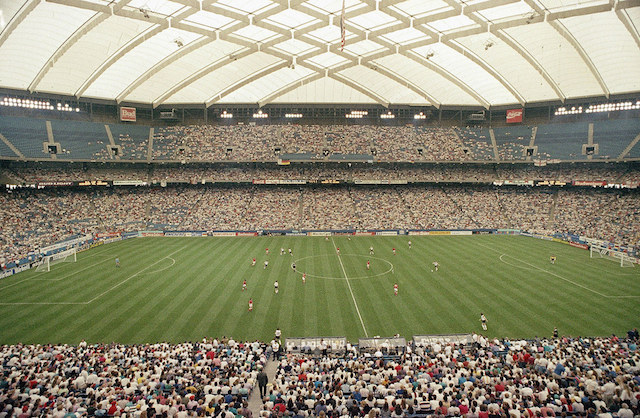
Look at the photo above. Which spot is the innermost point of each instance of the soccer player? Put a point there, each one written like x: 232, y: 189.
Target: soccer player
x: 244, y: 285
x: 275, y: 287
x: 394, y: 251
x: 250, y: 305
x: 293, y: 266
x: 395, y: 289
x: 483, y: 319
x: 409, y: 244
x: 368, y: 264
x: 371, y: 250
x: 304, y: 278
x: 266, y: 263
x: 278, y: 334
x: 253, y: 262
x: 290, y: 252
x: 281, y: 251
x: 117, y: 262
x: 338, y: 250
x: 266, y: 251
x: 435, y: 266
x: 552, y: 259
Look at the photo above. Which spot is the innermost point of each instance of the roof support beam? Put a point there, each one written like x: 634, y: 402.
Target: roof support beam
x: 181, y: 52
x: 562, y: 30
x: 626, y: 21
x: 66, y: 45
x: 247, y: 80
x: 524, y: 53
x: 359, y: 87
x: 289, y: 87
x: 405, y: 82
x: 449, y: 76
x: 148, y: 34
x: 18, y: 19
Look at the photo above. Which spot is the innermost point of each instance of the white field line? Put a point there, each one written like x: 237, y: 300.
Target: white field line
x: 74, y: 273
x: 350, y: 290
x: 557, y: 275
x: 134, y: 275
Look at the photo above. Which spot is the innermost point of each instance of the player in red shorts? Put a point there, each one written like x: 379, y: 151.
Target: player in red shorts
x: 250, y: 305
x: 395, y: 289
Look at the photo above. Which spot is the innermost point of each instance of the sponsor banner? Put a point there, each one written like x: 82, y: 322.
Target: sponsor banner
x: 526, y: 234
x: 418, y: 232
x: 544, y: 237
x: 516, y: 183
x: 66, y: 244
x: 222, y: 234
x: 258, y: 181
x: 6, y: 273
x: 508, y: 231
x: 54, y: 183
x: 559, y: 240
x: 296, y: 234
x: 128, y: 114
x: 423, y: 340
x: 184, y: 233
x: 108, y: 234
x: 95, y: 244
x: 130, y: 234
x: 129, y: 183
x: 380, y: 182
x: 461, y: 232
x: 591, y: 183
x: 438, y: 232
x: 151, y: 233
x: 246, y: 234
x: 578, y: 245
x: 514, y: 115
x: 387, y: 233
x: 384, y: 343
x: 551, y: 183
x: 114, y: 239
x: 314, y: 343
x: 319, y: 233
x: 343, y: 233
x: 363, y: 233
x: 93, y: 183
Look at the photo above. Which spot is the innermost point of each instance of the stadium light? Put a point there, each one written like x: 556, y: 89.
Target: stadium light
x: 599, y: 108
x: 225, y: 115
x: 387, y: 115
x: 356, y: 114
x: 420, y: 115
x: 293, y: 115
x: 260, y: 115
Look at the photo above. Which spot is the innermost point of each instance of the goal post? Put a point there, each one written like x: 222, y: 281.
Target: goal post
x: 66, y: 256
x: 600, y: 251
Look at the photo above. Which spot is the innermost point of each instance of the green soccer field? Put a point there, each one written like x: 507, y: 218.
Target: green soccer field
x: 177, y: 289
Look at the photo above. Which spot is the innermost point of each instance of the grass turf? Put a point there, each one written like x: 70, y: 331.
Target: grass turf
x: 177, y: 289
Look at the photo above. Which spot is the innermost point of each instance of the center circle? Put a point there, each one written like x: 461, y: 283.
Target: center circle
x: 301, y: 271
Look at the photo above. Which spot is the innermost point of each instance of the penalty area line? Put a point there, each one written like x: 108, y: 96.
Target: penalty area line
x: 133, y: 275
x: 350, y: 290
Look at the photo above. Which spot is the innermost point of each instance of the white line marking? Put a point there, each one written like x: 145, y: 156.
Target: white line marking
x: 350, y: 291
x: 134, y: 275
x: 74, y: 273
x: 557, y: 275
x: 300, y: 270
x: 173, y: 262
x: 42, y: 303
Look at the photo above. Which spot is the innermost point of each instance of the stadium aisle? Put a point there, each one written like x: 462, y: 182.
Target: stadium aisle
x: 255, y: 403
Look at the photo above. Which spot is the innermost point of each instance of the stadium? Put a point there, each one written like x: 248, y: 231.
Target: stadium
x: 320, y: 208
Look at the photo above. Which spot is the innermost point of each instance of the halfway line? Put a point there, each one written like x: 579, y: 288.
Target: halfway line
x: 350, y: 291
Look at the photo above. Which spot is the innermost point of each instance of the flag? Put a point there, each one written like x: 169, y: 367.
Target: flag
x: 342, y: 28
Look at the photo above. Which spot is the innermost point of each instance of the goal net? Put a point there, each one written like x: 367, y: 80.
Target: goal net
x: 599, y: 251
x: 67, y: 256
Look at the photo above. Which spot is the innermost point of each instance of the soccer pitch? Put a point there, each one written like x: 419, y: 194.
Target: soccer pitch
x: 177, y: 289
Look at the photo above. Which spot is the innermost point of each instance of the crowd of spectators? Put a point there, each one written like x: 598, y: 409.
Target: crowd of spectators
x: 594, y: 377
x: 31, y: 218
x: 209, y: 378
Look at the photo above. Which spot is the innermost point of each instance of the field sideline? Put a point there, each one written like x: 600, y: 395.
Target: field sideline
x: 177, y: 289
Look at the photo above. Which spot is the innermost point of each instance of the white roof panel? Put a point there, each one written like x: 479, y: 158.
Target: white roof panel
x: 39, y: 36
x: 134, y: 63
x: 259, y: 89
x: 325, y: 90
x: 389, y: 89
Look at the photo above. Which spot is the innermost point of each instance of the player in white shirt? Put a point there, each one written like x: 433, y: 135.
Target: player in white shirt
x: 290, y: 252
x: 266, y: 263
x: 281, y: 251
x: 483, y: 319
x: 409, y: 244
x: 435, y: 266
x: 275, y: 287
x: 371, y: 250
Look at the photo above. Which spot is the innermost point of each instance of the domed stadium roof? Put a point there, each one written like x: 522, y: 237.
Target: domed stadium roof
x: 484, y: 53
